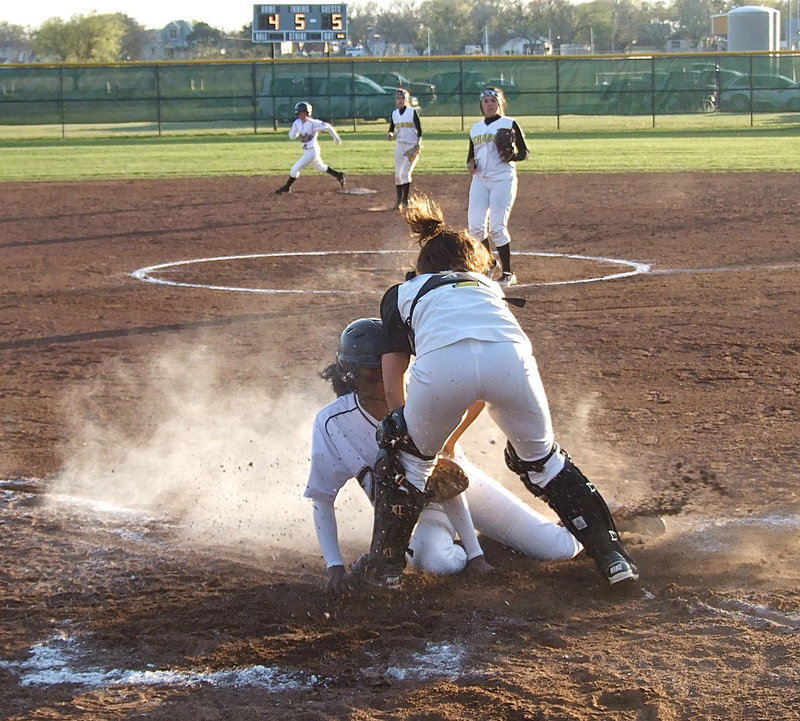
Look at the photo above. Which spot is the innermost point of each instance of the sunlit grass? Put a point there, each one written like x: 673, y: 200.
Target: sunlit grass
x: 576, y: 144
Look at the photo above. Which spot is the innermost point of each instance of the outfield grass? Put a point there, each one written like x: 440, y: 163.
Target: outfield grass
x: 710, y: 142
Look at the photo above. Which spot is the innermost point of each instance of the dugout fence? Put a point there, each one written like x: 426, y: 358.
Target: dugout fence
x: 258, y: 96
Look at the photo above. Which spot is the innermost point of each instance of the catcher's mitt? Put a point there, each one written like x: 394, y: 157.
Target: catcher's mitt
x: 447, y: 480
x: 412, y: 153
x: 504, y: 141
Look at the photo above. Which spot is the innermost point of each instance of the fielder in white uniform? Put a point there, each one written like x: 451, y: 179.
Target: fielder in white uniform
x: 343, y: 445
x: 305, y: 129
x: 406, y: 129
x: 469, y: 348
x: 494, y: 181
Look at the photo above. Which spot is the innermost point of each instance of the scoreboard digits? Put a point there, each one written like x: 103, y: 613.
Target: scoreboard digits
x: 299, y: 23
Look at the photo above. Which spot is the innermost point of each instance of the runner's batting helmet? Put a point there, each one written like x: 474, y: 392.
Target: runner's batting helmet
x: 302, y: 107
x: 358, y: 343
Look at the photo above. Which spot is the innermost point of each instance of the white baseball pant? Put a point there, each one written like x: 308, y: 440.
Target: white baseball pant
x: 444, y: 383
x: 490, y: 201
x: 311, y: 156
x: 403, y: 167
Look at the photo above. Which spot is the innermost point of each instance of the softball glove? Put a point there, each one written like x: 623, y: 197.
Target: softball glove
x: 447, y: 481
x: 412, y: 153
x: 504, y: 141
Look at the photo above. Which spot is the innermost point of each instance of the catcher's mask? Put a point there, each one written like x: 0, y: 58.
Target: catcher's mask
x: 358, y: 346
x: 302, y: 107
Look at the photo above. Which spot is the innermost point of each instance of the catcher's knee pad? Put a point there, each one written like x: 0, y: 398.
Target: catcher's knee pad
x: 392, y: 434
x: 534, y: 474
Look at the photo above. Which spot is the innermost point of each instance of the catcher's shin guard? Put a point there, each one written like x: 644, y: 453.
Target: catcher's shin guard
x: 397, y: 508
x: 584, y: 513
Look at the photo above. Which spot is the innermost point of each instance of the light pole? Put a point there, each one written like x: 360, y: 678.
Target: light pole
x: 429, y: 41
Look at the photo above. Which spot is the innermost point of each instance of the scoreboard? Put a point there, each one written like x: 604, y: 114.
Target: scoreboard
x: 299, y: 23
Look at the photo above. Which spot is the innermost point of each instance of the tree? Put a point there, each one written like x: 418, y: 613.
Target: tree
x: 594, y: 25
x: 451, y: 25
x: 134, y: 39
x: 362, y: 21
x: 93, y: 37
x: 12, y: 33
x: 204, y: 40
x: 694, y: 17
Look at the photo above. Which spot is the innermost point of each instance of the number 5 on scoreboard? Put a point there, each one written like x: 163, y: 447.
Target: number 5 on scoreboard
x: 299, y: 21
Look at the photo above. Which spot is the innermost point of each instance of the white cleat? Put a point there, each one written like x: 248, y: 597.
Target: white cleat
x: 507, y: 279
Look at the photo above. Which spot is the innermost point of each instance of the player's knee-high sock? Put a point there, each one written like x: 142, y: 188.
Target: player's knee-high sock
x: 399, y: 190
x: 338, y: 174
x: 504, y: 251
x: 406, y: 190
x: 285, y: 187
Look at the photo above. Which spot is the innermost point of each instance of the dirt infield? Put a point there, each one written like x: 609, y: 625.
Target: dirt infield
x: 158, y: 562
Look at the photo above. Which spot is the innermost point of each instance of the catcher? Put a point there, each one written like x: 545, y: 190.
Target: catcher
x: 406, y: 129
x: 305, y: 129
x: 344, y: 447
x: 496, y: 143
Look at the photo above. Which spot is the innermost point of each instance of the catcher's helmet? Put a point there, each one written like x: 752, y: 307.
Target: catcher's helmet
x: 302, y: 107
x: 359, y: 343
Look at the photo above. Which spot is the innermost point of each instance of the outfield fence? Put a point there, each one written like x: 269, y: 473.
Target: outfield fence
x: 259, y: 96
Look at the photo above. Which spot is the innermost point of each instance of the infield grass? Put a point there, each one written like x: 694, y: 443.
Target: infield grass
x: 598, y: 145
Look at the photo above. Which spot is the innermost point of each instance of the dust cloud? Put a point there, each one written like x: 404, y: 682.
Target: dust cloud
x: 226, y: 462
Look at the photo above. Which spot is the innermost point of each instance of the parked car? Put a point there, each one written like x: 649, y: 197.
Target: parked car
x: 469, y: 82
x: 766, y: 92
x: 425, y: 93
x: 335, y: 96
x: 714, y: 75
x: 671, y: 91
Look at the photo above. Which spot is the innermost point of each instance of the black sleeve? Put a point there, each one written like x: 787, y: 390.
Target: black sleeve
x: 394, y: 338
x: 417, y: 124
x: 519, y: 141
x: 391, y: 124
x: 471, y: 151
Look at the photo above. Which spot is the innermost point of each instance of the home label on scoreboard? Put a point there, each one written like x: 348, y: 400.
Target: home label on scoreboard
x: 299, y: 23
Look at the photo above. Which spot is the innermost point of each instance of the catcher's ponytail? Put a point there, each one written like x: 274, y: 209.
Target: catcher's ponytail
x: 425, y: 217
x: 442, y: 247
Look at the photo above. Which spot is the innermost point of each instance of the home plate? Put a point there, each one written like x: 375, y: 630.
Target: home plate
x: 381, y: 208
x: 359, y: 191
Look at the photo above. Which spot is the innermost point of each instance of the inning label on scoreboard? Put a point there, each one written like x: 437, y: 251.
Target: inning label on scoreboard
x: 299, y: 23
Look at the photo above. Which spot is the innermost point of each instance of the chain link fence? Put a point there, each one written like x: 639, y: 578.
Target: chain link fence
x: 260, y: 96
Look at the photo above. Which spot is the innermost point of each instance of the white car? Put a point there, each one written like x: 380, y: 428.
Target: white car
x: 768, y: 92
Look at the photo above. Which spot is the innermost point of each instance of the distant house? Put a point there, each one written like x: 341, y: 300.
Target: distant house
x: 15, y: 51
x: 680, y: 45
x: 174, y: 40
x: 153, y: 46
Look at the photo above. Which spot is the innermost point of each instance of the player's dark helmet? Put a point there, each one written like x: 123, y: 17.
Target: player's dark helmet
x: 302, y: 107
x: 358, y: 350
x: 358, y: 343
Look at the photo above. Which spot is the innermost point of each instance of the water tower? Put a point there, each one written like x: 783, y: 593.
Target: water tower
x: 753, y: 28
